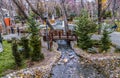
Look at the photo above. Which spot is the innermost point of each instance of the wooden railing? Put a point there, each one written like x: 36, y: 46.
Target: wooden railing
x: 59, y: 35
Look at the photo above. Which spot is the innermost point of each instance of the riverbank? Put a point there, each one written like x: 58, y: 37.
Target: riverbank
x: 106, y: 63
x: 39, y: 69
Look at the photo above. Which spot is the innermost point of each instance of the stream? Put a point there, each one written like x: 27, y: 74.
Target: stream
x: 70, y: 66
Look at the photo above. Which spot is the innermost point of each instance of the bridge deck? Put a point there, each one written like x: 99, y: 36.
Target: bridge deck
x: 59, y: 35
x: 71, y: 38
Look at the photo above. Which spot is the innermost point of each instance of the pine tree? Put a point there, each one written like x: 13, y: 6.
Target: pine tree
x: 105, y: 40
x: 35, y: 41
x: 26, y: 48
x: 15, y: 53
x: 84, y: 30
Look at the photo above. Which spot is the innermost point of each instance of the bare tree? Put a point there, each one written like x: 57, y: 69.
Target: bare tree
x: 2, y: 17
x: 58, y: 11
x: 114, y: 9
x: 18, y: 4
x: 99, y: 15
x: 101, y: 12
x: 64, y: 11
x: 82, y: 4
x: 40, y: 13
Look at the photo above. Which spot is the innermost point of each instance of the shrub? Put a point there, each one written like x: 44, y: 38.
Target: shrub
x: 105, y: 40
x: 107, y: 14
x: 117, y: 50
x: 85, y: 28
x: 15, y: 53
x: 9, y: 40
x: 17, y: 21
x: 35, y: 40
x: 25, y: 46
x: 96, y: 43
x: 6, y: 59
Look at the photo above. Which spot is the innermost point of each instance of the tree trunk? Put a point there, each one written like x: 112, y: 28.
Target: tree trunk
x: 3, y: 22
x: 82, y: 4
x: 64, y: 15
x: 21, y: 10
x: 99, y: 15
x: 10, y: 12
x: 114, y: 9
x: 36, y: 12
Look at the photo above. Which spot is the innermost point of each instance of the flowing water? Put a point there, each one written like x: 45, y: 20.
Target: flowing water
x: 69, y: 65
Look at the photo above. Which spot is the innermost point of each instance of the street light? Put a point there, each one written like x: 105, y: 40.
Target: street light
x: 47, y: 38
x: 46, y: 20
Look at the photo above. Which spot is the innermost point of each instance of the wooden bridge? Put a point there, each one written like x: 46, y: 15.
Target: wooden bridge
x: 58, y: 35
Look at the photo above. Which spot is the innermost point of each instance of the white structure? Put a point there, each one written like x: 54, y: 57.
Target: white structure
x: 53, y: 18
x: 1, y: 48
x: 63, y: 24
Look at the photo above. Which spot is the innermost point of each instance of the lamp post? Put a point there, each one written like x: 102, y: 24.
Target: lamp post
x: 47, y: 38
x: 46, y: 20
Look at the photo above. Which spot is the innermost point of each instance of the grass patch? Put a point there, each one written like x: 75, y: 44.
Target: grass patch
x: 6, y: 58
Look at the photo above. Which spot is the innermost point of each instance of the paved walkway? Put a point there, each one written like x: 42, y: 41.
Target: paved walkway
x: 115, y: 38
x: 10, y: 36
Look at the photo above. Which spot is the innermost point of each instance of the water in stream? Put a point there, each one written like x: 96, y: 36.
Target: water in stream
x: 69, y: 65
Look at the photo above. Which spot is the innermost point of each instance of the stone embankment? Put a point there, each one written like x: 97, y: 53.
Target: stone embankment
x: 106, y: 63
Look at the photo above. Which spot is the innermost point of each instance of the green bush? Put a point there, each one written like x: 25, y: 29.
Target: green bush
x: 85, y: 28
x: 105, y: 40
x: 107, y: 14
x: 35, y: 43
x: 9, y: 40
x: 117, y: 50
x: 36, y: 52
x: 25, y: 46
x: 6, y: 58
x: 96, y: 43
x: 16, y: 54
x: 17, y: 21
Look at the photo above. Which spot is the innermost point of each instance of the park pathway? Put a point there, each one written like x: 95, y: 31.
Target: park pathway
x: 114, y: 37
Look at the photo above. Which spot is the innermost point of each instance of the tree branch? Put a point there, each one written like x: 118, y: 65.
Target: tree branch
x: 36, y: 12
x: 104, y: 10
x: 21, y: 10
